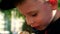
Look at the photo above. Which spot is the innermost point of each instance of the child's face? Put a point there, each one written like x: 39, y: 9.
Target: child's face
x: 36, y: 12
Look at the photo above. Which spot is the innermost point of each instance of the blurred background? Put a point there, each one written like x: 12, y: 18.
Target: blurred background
x: 11, y: 21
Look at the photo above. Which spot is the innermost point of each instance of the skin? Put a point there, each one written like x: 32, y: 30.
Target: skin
x: 38, y: 13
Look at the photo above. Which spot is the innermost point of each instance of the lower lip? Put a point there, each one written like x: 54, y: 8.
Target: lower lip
x: 35, y: 25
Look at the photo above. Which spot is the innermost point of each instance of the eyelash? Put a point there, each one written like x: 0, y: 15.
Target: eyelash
x: 34, y: 15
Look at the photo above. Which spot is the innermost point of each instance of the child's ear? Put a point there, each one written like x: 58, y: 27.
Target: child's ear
x: 54, y: 4
x: 54, y: 7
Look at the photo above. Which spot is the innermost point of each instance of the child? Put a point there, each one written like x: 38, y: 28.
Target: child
x: 42, y: 15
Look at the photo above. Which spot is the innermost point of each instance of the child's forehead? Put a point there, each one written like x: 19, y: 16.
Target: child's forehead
x: 29, y: 6
x: 34, y: 0
x: 29, y: 3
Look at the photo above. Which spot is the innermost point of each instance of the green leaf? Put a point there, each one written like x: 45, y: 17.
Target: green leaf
x: 0, y: 1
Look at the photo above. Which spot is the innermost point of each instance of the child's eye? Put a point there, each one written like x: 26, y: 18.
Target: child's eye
x: 33, y: 15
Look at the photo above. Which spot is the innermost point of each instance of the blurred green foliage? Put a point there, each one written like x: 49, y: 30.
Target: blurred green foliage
x: 58, y: 4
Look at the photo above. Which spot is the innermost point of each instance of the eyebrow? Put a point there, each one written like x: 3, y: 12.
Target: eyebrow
x: 32, y: 12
